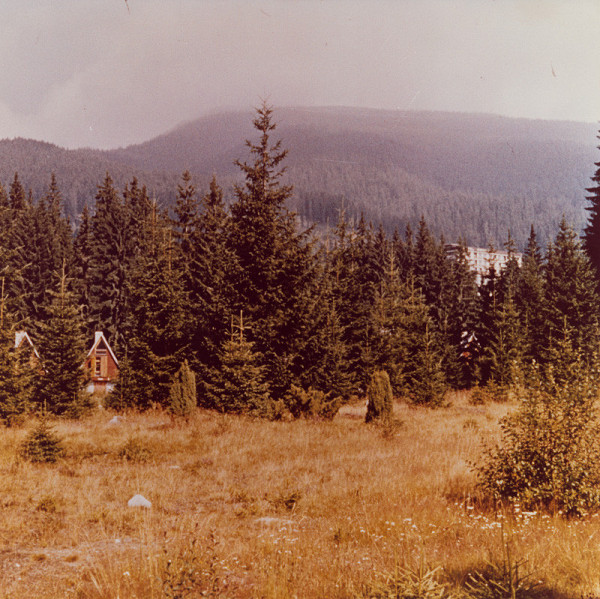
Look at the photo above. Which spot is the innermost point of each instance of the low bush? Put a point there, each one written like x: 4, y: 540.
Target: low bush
x: 312, y: 403
x: 135, y: 450
x: 549, y: 453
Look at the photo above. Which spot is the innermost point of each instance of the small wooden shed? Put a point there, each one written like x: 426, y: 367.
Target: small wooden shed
x: 102, y: 365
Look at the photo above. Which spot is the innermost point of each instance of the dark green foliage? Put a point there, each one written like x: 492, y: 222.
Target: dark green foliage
x: 591, y: 233
x: 135, y: 450
x: 156, y: 321
x: 312, y: 403
x: 42, y: 444
x: 572, y: 303
x: 426, y: 382
x: 112, y: 246
x: 458, y: 321
x: 16, y: 374
x: 61, y: 378
x: 549, y: 453
x: 530, y: 301
x: 379, y: 397
x: 182, y: 395
x: 277, y: 266
x: 210, y: 268
x: 238, y: 385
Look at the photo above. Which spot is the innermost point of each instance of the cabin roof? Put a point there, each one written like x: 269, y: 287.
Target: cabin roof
x: 99, y: 337
x: 20, y: 337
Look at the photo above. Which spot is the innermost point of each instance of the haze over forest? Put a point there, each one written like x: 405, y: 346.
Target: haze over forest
x: 120, y: 74
x: 475, y: 176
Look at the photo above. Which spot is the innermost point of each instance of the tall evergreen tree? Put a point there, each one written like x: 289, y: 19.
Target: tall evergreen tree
x: 156, y: 322
x: 277, y: 263
x: 112, y: 247
x: 15, y: 369
x: 210, y: 268
x: 60, y: 381
x: 530, y: 300
x: 591, y: 233
x: 572, y: 304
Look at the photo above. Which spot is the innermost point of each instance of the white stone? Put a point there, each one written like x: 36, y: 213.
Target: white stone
x: 115, y: 420
x: 139, y: 501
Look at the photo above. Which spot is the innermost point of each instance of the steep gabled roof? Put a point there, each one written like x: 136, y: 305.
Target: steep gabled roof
x: 23, y: 336
x: 99, y: 337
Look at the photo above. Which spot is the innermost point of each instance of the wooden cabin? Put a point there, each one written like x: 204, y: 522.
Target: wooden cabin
x: 102, y: 365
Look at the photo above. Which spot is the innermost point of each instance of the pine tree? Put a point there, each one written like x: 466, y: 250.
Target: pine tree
x: 15, y: 370
x: 112, y: 248
x: 503, y: 350
x: 572, y: 302
x: 380, y: 397
x: 156, y: 321
x: 530, y: 300
x: 459, y: 321
x: 277, y: 265
x: 239, y: 385
x: 325, y: 356
x: 182, y: 394
x: 211, y: 266
x: 61, y: 379
x: 591, y: 233
x: 82, y: 254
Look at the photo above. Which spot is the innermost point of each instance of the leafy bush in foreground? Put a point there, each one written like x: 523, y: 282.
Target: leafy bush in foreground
x: 549, y: 454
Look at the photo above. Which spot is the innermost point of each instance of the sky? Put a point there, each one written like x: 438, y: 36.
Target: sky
x: 109, y: 73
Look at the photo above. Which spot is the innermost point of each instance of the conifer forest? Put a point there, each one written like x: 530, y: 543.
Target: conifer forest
x: 272, y: 318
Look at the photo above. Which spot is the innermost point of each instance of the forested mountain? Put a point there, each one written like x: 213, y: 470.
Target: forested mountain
x: 271, y: 318
x: 469, y: 175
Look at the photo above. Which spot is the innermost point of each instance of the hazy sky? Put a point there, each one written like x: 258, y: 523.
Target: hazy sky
x: 106, y: 73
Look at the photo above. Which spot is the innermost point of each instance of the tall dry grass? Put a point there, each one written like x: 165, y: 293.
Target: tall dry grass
x: 248, y: 508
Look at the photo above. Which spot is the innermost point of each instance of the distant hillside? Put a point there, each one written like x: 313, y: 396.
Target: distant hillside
x: 475, y: 175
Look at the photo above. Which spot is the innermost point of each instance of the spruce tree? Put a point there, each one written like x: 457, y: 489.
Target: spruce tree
x: 461, y: 306
x: 16, y: 370
x: 182, y: 394
x: 572, y: 302
x: 239, y: 384
x: 156, y: 321
x: 210, y: 267
x: 277, y: 265
x: 61, y: 378
x: 112, y: 247
x: 530, y: 300
x: 591, y: 233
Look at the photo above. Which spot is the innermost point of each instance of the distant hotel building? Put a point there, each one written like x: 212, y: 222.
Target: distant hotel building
x: 480, y: 260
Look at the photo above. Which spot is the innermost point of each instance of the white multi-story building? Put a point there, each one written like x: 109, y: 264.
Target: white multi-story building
x: 481, y: 260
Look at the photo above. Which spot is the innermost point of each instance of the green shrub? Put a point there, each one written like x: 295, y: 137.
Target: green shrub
x: 380, y: 397
x: 480, y: 396
x: 182, y: 394
x: 312, y: 403
x: 134, y: 450
x: 42, y: 444
x: 549, y: 453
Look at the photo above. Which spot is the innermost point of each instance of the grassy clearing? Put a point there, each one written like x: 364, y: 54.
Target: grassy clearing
x: 248, y: 508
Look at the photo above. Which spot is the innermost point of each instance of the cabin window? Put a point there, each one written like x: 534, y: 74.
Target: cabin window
x: 97, y: 366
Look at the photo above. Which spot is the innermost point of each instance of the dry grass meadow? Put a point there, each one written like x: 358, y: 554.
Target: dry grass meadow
x: 247, y: 508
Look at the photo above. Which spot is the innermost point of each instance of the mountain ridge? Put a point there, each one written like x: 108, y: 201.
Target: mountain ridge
x: 469, y: 174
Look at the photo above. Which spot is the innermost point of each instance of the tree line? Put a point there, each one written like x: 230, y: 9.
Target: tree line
x: 269, y: 316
